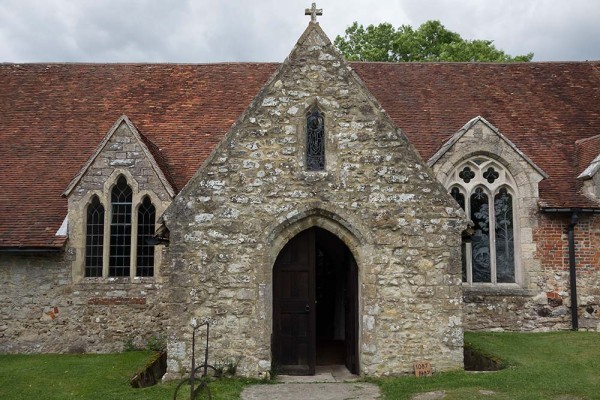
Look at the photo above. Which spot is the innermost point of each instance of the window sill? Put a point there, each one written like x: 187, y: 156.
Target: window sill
x: 506, y: 289
x: 120, y: 280
x: 315, y: 176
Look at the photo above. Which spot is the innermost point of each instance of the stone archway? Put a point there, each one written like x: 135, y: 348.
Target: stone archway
x: 315, y: 304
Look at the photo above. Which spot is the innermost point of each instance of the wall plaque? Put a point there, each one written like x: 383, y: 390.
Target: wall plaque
x: 423, y: 368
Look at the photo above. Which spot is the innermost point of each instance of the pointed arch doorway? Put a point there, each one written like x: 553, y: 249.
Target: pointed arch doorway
x: 315, y: 304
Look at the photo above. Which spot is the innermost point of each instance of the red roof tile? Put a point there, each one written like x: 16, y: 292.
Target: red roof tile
x: 587, y: 151
x: 52, y: 118
x: 543, y: 108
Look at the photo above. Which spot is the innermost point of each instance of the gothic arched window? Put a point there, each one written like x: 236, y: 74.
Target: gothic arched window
x: 94, y: 238
x: 484, y: 189
x: 315, y: 140
x: 116, y: 245
x: 120, y: 229
x: 145, y: 231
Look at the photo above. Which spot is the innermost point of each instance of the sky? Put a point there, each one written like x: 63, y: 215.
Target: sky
x: 206, y: 31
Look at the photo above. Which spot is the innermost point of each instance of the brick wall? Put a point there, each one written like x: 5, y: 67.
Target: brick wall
x: 553, y: 252
x: 553, y: 246
x: 545, y: 303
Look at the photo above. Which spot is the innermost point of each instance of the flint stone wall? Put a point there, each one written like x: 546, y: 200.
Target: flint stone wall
x: 540, y: 299
x: 45, y: 312
x: 253, y: 195
x: 51, y: 307
x: 546, y: 304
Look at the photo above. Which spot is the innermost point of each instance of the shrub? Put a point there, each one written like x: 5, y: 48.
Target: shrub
x: 157, y: 342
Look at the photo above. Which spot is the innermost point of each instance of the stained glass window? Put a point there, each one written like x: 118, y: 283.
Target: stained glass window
x: 460, y: 199
x: 466, y: 174
x: 482, y: 187
x: 315, y: 141
x: 505, y: 252
x: 491, y: 175
x: 120, y: 229
x: 458, y: 196
x: 145, y: 251
x: 480, y: 251
x: 94, y: 238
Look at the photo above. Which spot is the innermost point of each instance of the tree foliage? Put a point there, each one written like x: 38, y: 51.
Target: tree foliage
x: 430, y: 42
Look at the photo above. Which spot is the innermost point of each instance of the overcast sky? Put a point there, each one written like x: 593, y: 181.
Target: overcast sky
x: 201, y: 31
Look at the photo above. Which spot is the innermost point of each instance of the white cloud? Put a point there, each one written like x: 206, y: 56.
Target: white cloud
x: 200, y: 31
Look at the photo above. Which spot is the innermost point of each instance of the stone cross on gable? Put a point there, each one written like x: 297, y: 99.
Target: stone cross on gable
x: 313, y: 12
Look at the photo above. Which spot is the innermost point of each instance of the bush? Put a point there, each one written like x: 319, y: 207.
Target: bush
x: 129, y: 344
x: 157, y: 342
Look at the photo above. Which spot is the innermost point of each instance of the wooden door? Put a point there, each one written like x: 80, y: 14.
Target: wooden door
x: 351, y: 317
x: 293, y: 342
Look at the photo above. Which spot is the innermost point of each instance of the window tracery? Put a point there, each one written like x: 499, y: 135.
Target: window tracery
x: 125, y: 230
x: 485, y: 191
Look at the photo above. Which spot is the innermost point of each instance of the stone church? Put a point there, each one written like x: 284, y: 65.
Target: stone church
x: 314, y: 212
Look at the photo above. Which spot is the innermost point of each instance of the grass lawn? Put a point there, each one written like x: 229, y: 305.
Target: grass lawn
x: 90, y: 376
x: 560, y: 365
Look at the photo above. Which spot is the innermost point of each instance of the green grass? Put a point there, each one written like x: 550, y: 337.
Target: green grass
x: 541, y: 366
x: 90, y: 376
x: 560, y: 365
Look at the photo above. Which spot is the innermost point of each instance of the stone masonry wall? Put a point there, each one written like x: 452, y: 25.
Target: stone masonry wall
x: 50, y: 306
x: 45, y: 312
x: 545, y: 305
x: 553, y: 251
x: 253, y: 195
x: 540, y: 300
x: 122, y: 155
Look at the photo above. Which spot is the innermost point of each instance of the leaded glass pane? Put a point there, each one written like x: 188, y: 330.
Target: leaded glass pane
x: 460, y: 199
x: 491, y: 175
x: 466, y: 174
x: 505, y: 253
x: 480, y: 215
x: 145, y: 251
x: 463, y: 257
x: 315, y: 141
x: 94, y: 238
x: 120, y: 229
x: 458, y: 196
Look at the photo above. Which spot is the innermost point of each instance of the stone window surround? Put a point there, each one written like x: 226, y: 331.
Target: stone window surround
x: 315, y: 112
x: 505, y: 180
x: 104, y: 197
x: 330, y: 140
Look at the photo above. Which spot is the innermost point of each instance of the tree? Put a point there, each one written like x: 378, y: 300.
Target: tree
x: 430, y: 42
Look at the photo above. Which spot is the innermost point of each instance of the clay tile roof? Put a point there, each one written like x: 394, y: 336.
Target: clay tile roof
x: 53, y: 116
x: 588, y: 156
x: 543, y: 108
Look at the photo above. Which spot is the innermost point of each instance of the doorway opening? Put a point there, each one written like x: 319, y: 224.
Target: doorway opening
x: 315, y: 303
x: 330, y: 303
